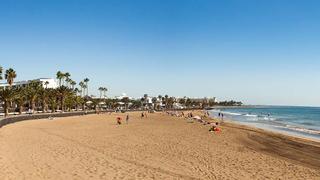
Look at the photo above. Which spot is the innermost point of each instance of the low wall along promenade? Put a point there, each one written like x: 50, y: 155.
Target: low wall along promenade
x: 18, y: 118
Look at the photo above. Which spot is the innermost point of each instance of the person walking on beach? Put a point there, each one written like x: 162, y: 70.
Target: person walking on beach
x: 142, y: 115
x: 127, y: 119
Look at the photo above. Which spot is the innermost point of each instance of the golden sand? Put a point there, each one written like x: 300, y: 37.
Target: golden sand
x: 157, y: 147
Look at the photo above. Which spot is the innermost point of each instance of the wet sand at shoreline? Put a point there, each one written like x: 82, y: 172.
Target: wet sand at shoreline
x: 157, y: 147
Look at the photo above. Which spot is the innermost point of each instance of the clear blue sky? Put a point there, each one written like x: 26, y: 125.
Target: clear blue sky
x: 256, y: 51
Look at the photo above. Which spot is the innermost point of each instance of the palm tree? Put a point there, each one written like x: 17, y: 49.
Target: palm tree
x: 76, y: 90
x: 62, y: 93
x: 79, y: 101
x: 86, y: 80
x: 60, y: 76
x: 44, y: 96
x: 81, y: 84
x: 166, y: 97
x: 101, y: 89
x: 70, y: 100
x: 6, y: 96
x: 84, y: 92
x: 171, y: 101
x: 104, y: 91
x: 160, y: 99
x: 67, y: 78
x: 188, y: 102
x: 46, y: 84
x: 73, y: 83
x: 52, y: 99
x: 20, y: 98
x: 125, y: 100
x: 154, y: 101
x: 32, y: 93
x: 10, y: 76
x: 67, y: 75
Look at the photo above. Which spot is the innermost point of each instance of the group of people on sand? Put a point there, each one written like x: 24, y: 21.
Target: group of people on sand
x: 144, y: 115
x: 201, y: 119
x: 214, y: 125
x: 215, y: 128
x: 119, y: 119
x: 175, y: 113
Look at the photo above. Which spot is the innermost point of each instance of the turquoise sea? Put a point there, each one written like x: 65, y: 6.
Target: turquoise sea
x: 298, y: 121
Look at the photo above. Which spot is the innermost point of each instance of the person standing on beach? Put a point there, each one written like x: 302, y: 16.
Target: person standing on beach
x: 127, y: 119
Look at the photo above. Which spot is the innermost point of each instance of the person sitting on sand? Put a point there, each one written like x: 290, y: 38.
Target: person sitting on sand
x: 215, y: 127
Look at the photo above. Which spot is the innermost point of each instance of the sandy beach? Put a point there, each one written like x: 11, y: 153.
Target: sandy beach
x: 156, y: 147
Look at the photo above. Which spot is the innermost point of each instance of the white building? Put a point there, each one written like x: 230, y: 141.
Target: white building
x: 46, y: 83
x: 123, y: 95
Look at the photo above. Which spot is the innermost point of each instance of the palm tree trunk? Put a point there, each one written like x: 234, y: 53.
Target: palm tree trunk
x: 83, y: 107
x: 44, y: 106
x: 20, y: 108
x: 87, y: 89
x: 62, y: 104
x: 33, y: 106
x: 6, y: 109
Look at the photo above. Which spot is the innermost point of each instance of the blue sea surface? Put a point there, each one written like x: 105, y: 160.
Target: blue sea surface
x: 300, y: 121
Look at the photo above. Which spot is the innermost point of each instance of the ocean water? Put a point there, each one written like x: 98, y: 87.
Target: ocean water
x: 298, y: 121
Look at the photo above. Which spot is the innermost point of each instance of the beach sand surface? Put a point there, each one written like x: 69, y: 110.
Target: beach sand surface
x: 156, y: 147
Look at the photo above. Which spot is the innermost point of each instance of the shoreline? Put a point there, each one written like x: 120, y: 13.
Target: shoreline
x: 286, y: 146
x: 273, y: 130
x: 285, y: 127
x: 277, y: 143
